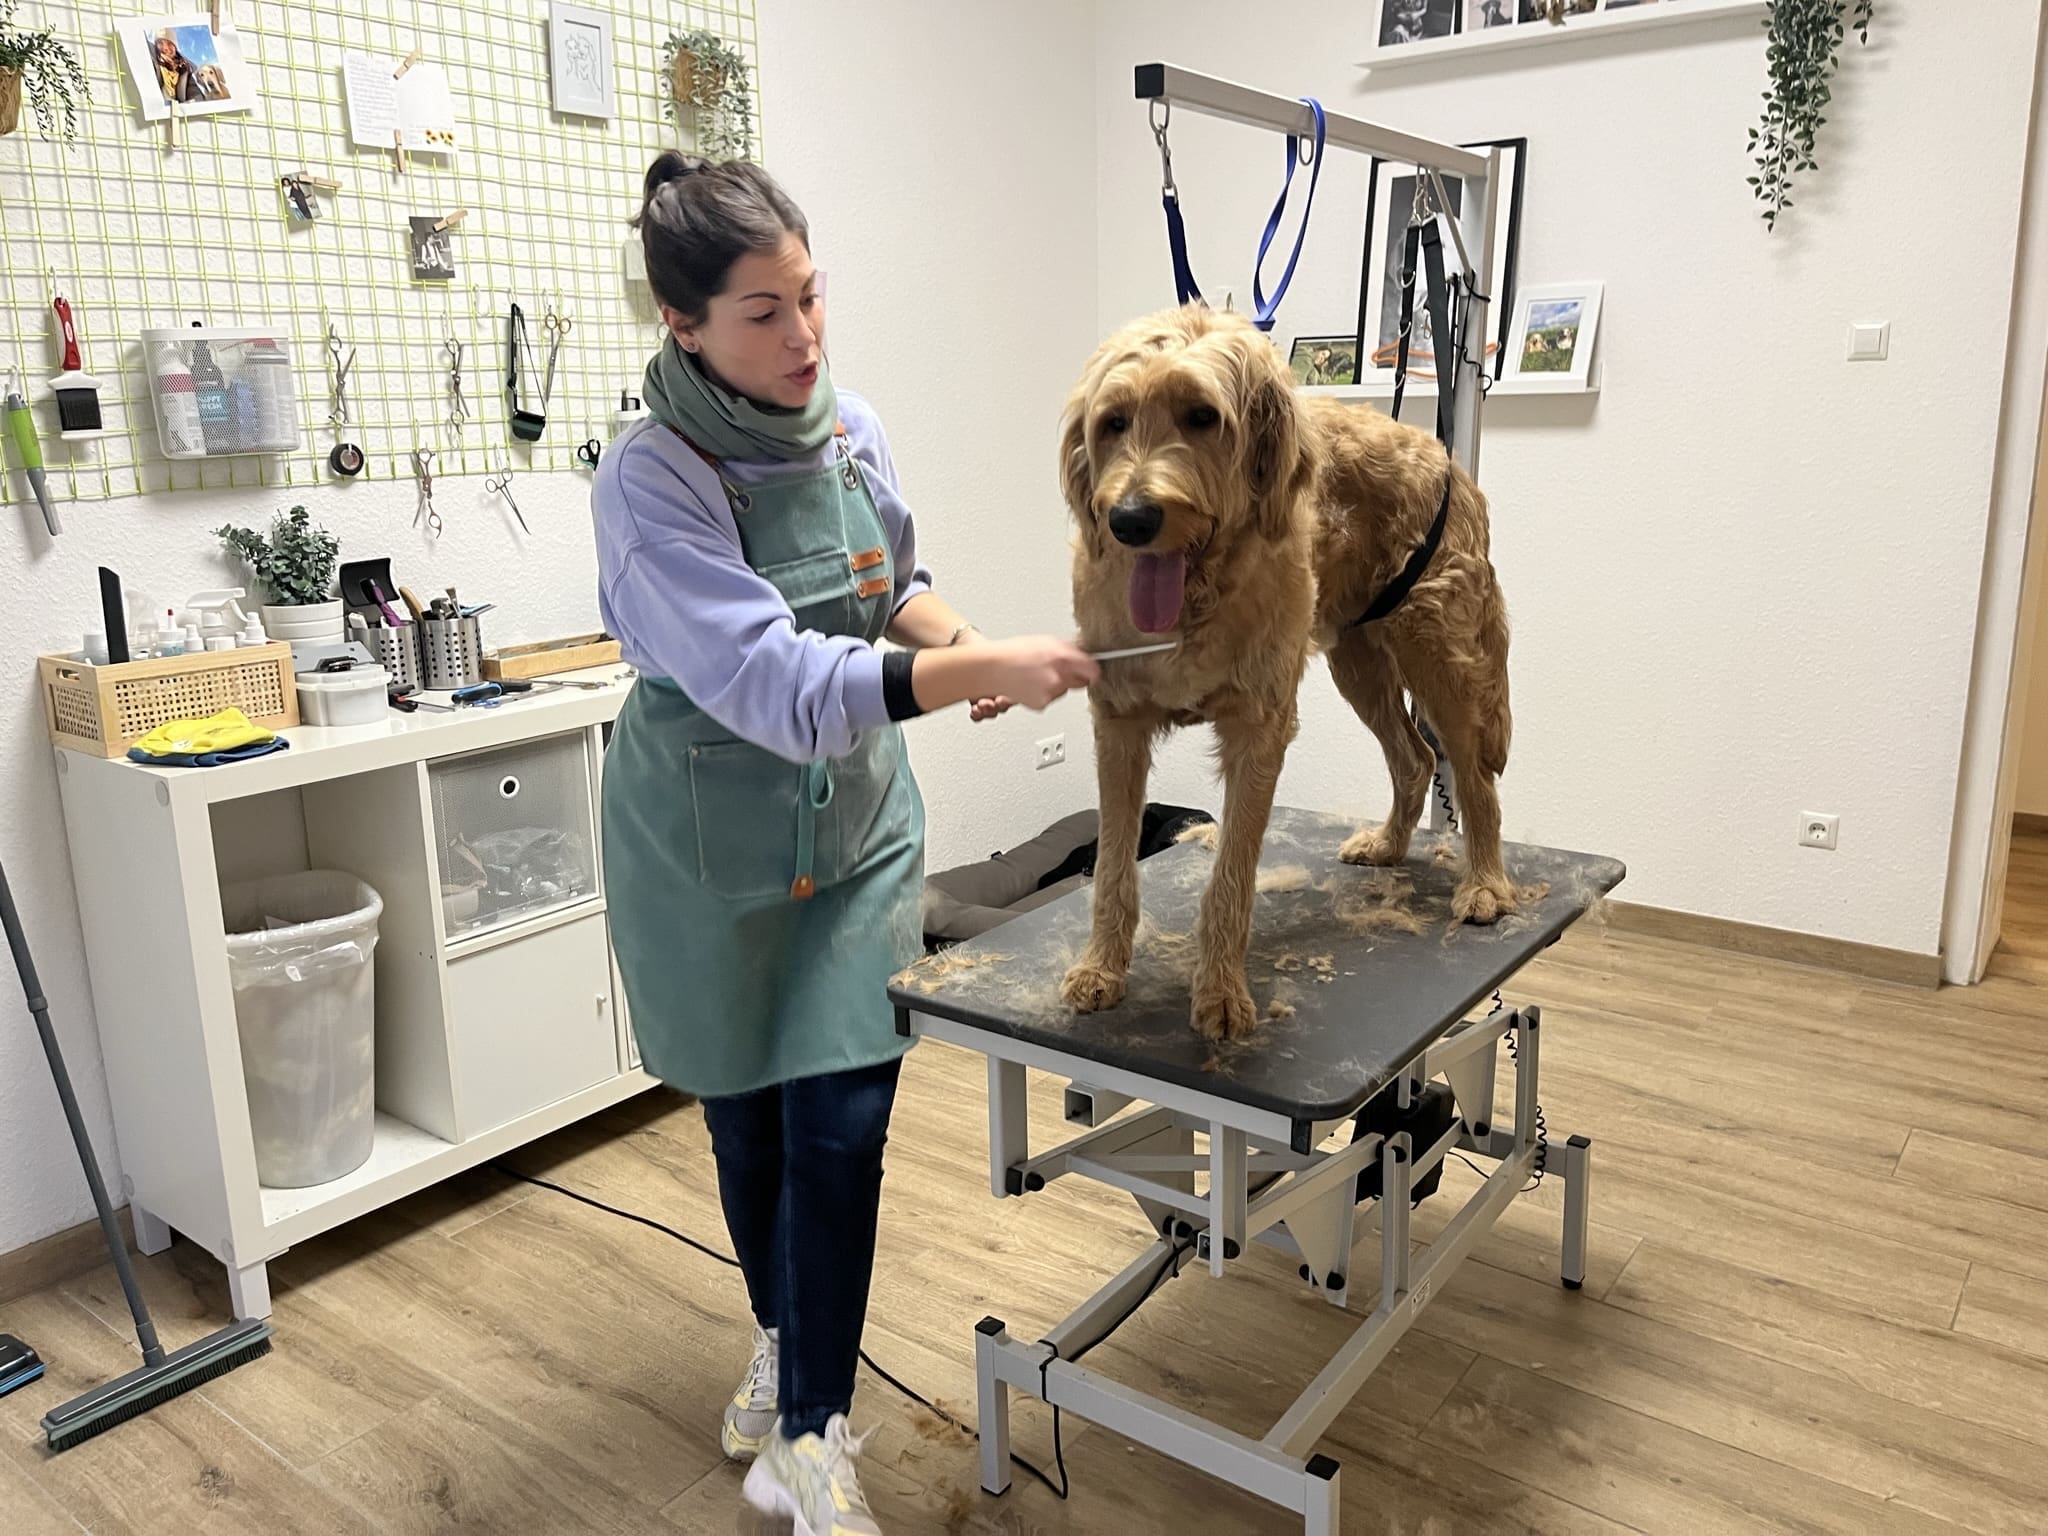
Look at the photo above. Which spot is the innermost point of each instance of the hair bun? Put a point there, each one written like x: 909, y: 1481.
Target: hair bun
x: 672, y: 165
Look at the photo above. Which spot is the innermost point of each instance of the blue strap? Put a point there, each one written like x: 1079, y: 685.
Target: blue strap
x: 1184, y: 283
x: 1265, y: 309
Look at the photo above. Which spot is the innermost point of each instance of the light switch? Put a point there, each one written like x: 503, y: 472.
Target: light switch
x: 1870, y: 343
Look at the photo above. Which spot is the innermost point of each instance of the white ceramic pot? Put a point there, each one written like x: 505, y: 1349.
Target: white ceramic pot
x: 305, y: 621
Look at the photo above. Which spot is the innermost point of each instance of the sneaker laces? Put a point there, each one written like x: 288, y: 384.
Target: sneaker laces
x: 842, y: 1451
x: 763, y: 1379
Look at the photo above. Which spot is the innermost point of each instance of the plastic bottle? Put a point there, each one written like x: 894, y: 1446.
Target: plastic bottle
x: 220, y: 643
x: 96, y: 648
x: 252, y: 633
x: 170, y: 638
x: 210, y: 395
x: 268, y: 372
x: 177, y: 405
x: 143, y: 638
x: 194, y: 644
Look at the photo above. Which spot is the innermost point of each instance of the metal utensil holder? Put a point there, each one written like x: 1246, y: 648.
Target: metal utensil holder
x: 451, y: 653
x: 398, y: 652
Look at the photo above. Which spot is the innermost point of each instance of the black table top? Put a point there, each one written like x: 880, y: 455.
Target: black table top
x: 1358, y: 969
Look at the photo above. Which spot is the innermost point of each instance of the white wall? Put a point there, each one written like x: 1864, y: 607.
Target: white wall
x: 2030, y: 672
x: 1744, y: 579
x: 962, y: 298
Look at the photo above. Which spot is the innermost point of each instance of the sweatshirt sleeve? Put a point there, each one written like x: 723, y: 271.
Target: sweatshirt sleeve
x: 679, y: 596
x: 870, y: 445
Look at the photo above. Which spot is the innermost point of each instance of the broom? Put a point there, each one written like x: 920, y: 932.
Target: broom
x: 162, y: 1376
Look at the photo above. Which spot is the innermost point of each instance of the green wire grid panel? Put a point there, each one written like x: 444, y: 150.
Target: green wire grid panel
x: 137, y: 234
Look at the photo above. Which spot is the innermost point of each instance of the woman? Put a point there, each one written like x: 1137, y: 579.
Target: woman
x: 763, y: 837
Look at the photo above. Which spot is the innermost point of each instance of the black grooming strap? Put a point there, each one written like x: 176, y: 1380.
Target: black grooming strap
x: 1445, y: 344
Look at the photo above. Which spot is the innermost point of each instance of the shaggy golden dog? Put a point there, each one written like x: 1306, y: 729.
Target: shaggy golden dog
x: 1216, y: 504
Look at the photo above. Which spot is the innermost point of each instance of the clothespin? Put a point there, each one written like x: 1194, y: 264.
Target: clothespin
x: 398, y: 146
x: 213, y: 16
x: 410, y: 60
x: 324, y: 183
x: 451, y: 220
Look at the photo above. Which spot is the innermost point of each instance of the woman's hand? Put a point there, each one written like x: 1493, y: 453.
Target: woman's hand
x: 1033, y: 671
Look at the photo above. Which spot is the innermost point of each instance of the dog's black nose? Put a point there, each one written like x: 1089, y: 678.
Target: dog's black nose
x: 1135, y: 522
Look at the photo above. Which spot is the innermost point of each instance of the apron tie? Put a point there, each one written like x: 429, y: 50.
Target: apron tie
x: 815, y: 795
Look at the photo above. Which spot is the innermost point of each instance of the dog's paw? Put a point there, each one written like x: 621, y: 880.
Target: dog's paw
x: 1090, y: 987
x: 1480, y: 903
x: 1224, y: 1010
x: 1373, y: 845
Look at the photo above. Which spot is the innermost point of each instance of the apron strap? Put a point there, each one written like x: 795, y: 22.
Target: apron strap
x: 812, y: 797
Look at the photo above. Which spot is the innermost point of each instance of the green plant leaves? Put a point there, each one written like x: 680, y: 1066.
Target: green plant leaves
x: 296, y: 563
x: 1805, y: 38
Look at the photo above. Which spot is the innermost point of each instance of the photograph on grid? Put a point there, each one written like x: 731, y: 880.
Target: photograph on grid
x: 433, y: 249
x: 1389, y: 208
x: 178, y: 61
x: 1415, y: 21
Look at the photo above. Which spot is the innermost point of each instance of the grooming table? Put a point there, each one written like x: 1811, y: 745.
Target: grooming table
x: 1375, y: 1009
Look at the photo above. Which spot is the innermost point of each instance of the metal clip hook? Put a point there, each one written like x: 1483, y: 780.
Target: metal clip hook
x: 1160, y: 114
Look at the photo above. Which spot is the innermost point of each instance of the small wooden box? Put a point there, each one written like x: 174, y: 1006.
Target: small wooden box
x: 103, y: 711
x: 546, y: 657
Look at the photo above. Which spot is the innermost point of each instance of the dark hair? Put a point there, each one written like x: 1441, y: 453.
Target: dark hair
x: 700, y: 216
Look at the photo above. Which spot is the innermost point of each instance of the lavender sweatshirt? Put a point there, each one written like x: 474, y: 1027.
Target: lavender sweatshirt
x: 676, y: 592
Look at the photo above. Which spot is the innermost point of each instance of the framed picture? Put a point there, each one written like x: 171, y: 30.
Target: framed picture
x: 1387, y: 211
x: 178, y: 60
x: 581, y: 62
x: 1324, y: 359
x: 1415, y: 21
x: 1483, y: 14
x: 1555, y: 328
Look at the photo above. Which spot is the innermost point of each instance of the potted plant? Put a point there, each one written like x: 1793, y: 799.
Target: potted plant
x: 707, y: 80
x: 49, y: 73
x: 296, y: 565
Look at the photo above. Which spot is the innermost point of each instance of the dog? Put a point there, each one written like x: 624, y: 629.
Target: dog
x: 1213, y: 502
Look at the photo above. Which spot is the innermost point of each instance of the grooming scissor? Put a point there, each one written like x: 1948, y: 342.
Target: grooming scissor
x: 500, y: 484
x: 423, y: 466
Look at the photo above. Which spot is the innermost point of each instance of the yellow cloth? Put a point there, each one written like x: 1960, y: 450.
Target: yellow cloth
x: 223, y: 732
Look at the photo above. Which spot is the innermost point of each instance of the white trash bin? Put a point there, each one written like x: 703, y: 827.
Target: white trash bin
x: 299, y: 954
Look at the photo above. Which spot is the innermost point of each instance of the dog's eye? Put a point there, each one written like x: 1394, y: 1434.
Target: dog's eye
x: 1202, y: 417
x: 1115, y: 424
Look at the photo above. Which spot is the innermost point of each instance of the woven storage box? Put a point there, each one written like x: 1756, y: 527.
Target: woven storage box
x: 103, y: 711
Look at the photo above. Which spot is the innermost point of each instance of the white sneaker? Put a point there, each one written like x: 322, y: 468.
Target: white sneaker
x: 750, y: 1416
x: 813, y: 1483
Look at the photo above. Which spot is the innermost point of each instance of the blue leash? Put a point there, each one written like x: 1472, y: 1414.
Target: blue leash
x: 1185, y: 286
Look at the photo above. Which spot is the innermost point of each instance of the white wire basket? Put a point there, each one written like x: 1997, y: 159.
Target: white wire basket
x: 222, y: 390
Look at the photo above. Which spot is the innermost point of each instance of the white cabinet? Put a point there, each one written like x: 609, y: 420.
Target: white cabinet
x: 532, y: 1023
x: 496, y: 1019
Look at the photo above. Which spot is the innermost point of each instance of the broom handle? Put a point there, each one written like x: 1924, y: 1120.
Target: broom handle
x: 31, y: 985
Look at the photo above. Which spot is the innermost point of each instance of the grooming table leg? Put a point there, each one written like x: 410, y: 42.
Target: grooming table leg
x: 1227, y: 1196
x: 992, y: 1396
x: 1009, y: 1126
x: 1578, y: 1165
x: 1322, y: 1498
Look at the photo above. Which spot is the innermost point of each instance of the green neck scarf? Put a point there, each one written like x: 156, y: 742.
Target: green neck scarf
x: 729, y: 426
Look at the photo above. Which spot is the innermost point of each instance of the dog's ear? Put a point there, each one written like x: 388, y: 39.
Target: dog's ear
x: 1077, y: 479
x: 1270, y: 428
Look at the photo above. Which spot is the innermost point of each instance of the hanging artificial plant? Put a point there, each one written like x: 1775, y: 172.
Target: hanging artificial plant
x: 708, y: 81
x: 1805, y: 43
x: 36, y: 64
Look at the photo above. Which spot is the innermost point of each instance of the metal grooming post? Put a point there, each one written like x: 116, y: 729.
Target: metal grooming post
x: 1185, y: 90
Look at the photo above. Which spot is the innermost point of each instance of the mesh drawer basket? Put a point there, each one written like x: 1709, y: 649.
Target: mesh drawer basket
x: 515, y: 830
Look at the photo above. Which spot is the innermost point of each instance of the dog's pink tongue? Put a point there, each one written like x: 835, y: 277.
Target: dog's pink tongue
x: 1157, y: 583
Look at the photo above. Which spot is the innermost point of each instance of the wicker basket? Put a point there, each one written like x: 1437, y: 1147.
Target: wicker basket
x: 103, y: 711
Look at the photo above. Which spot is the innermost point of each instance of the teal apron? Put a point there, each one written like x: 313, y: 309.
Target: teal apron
x: 758, y: 907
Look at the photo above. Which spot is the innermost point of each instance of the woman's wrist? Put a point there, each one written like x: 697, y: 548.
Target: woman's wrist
x: 943, y: 675
x: 963, y: 632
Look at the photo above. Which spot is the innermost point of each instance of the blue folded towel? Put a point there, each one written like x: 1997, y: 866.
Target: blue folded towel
x: 209, y: 759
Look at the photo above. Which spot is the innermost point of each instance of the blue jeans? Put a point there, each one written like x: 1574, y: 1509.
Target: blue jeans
x: 800, y: 1177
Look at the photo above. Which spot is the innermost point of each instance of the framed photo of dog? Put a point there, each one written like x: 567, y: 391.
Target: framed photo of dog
x: 1554, y: 331
x: 1387, y: 210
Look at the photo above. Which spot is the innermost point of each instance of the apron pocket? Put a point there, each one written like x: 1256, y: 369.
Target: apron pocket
x: 745, y: 800
x: 819, y: 591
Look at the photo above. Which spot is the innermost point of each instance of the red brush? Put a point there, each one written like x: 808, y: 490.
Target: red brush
x: 78, y: 393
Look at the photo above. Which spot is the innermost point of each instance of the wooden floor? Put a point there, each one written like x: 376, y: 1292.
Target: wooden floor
x: 1818, y: 1302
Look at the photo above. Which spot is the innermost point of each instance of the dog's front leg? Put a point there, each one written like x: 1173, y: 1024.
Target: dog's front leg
x: 1123, y: 763
x: 1252, y: 750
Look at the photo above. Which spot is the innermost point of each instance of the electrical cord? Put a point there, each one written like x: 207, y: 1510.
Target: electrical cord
x: 1062, y: 1489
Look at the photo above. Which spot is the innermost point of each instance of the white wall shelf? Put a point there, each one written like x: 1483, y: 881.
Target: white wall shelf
x: 1375, y: 389
x: 1536, y: 34
x: 480, y: 1046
